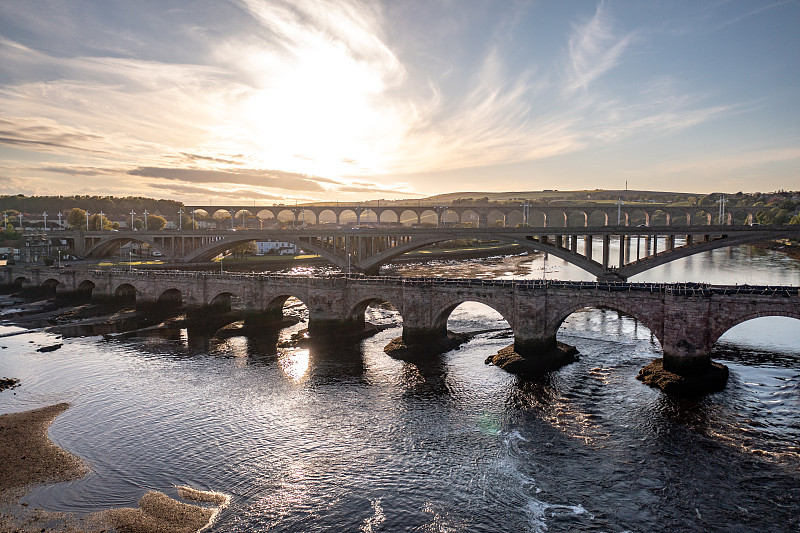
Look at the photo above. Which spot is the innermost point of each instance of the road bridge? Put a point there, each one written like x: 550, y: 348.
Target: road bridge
x: 607, y: 252
x: 687, y: 319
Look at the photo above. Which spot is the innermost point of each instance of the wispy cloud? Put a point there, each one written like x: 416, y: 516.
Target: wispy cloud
x: 594, y: 49
x: 265, y: 178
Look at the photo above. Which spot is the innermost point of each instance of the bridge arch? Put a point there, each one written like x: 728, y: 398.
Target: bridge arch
x: 125, y: 293
x: 428, y: 216
x: 222, y: 301
x: 409, y: 217
x: 598, y: 217
x: 85, y: 288
x: 637, y: 217
x: 111, y: 245
x: 347, y: 216
x: 660, y: 217
x: 578, y: 218
x: 389, y: 216
x: 537, y: 218
x: 727, y: 322
x: 514, y: 218
x: 702, y: 217
x: 50, y: 287
x: 327, y: 216
x: 442, y: 312
x: 495, y: 218
x: 469, y: 217
x: 275, y: 307
x: 265, y: 214
x: 599, y: 303
x: 221, y: 215
x: 357, y: 315
x: 286, y: 216
x: 170, y: 298
x: 368, y: 215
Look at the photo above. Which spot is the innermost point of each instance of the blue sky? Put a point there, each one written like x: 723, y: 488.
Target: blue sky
x: 269, y: 101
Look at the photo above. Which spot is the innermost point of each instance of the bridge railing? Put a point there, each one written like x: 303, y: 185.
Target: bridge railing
x: 686, y: 288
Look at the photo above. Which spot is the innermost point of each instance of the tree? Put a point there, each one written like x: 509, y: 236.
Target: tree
x: 76, y: 218
x: 244, y: 248
x: 94, y: 223
x: 156, y: 222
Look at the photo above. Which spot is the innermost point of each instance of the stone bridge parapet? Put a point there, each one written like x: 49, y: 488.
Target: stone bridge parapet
x: 686, y: 318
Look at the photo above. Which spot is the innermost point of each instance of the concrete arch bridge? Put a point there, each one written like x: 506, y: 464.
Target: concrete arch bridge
x: 607, y: 252
x: 687, y: 319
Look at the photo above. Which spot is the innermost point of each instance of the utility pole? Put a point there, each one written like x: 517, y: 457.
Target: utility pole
x: 180, y: 219
x: 87, y: 220
x: 101, y: 220
x: 45, y: 220
x: 59, y: 221
x: 145, y: 219
x: 619, y: 211
x: 132, y: 213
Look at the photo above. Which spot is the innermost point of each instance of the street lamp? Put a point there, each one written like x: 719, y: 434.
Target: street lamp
x: 145, y: 219
x: 180, y: 219
x: 132, y: 213
x: 619, y: 211
x: 87, y: 220
x: 59, y: 221
x: 45, y: 220
x: 101, y: 221
x: 130, y: 260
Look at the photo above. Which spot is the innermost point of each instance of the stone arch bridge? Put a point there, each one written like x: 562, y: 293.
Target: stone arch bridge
x: 607, y: 252
x: 480, y: 214
x: 687, y: 319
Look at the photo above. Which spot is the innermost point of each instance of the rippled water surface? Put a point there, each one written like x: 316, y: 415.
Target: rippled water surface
x: 341, y: 437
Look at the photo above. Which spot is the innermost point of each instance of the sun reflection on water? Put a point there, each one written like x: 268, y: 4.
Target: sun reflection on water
x: 294, y: 363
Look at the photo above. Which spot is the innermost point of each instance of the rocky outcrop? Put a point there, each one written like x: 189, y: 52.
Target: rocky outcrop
x: 713, y: 379
x: 398, y: 349
x: 515, y: 363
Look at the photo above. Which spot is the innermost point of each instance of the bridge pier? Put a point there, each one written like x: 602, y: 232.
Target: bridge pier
x: 424, y: 336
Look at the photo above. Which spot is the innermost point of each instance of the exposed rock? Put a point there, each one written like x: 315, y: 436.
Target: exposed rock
x: 400, y: 350
x: 8, y: 383
x: 515, y: 363
x: 51, y: 348
x: 712, y: 380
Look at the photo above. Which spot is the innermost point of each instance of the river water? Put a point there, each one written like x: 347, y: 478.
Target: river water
x: 342, y: 437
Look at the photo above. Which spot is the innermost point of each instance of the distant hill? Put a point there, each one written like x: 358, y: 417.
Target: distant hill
x: 596, y: 195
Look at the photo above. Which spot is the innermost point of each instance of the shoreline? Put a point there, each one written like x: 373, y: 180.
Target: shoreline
x: 28, y: 458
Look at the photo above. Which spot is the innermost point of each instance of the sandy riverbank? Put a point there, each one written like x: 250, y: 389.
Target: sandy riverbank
x: 28, y: 458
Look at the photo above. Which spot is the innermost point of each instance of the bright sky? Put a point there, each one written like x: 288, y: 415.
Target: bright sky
x: 270, y: 100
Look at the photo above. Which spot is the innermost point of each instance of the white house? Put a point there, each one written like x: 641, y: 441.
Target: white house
x: 275, y: 247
